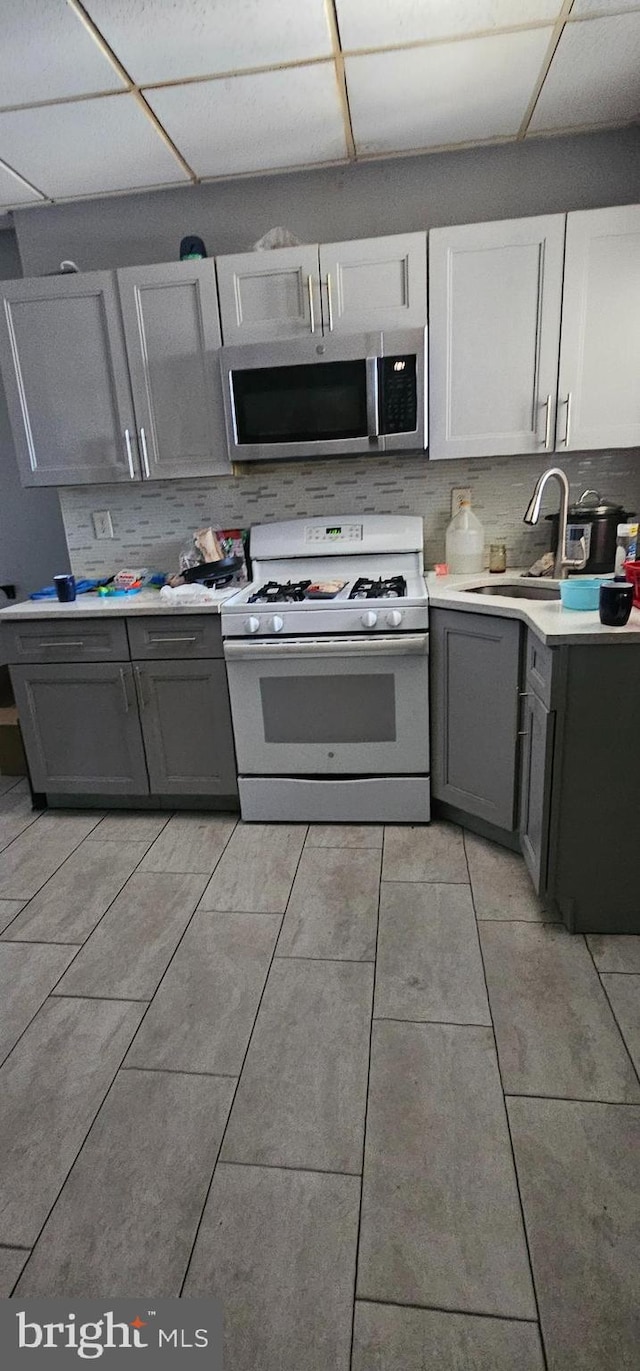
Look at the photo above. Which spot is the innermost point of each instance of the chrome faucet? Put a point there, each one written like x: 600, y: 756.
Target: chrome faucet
x: 562, y: 563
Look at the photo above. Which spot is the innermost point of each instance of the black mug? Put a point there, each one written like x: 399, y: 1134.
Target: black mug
x: 65, y: 588
x: 616, y: 599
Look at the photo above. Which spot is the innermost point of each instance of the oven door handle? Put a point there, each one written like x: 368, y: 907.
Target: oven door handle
x: 402, y: 645
x: 373, y: 416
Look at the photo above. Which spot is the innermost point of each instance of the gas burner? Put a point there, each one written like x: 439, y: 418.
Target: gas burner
x: 272, y: 593
x: 385, y: 588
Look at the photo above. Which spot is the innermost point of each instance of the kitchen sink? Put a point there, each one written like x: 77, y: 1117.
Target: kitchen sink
x: 517, y: 592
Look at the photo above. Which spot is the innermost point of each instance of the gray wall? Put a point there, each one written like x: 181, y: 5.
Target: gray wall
x: 32, y: 542
x: 544, y: 176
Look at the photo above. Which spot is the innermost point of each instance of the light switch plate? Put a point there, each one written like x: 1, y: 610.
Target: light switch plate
x: 102, y: 525
x: 459, y: 493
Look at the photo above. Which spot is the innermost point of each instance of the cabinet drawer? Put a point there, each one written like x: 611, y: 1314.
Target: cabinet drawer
x: 163, y: 636
x: 541, y: 671
x: 72, y: 640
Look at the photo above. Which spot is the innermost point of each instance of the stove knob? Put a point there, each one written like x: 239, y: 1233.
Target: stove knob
x: 252, y: 624
x: 276, y: 624
x: 370, y: 619
x: 394, y: 619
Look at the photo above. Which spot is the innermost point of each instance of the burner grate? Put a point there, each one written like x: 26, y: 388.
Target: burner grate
x: 273, y: 593
x: 384, y: 588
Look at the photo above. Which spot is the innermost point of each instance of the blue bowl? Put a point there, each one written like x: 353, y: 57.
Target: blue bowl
x: 581, y: 593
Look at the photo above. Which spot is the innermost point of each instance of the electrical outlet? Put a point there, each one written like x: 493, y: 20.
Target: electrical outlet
x: 102, y: 525
x: 459, y: 493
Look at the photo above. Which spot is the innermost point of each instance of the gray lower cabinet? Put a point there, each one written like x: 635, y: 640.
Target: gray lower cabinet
x: 535, y: 795
x: 81, y: 727
x: 475, y: 673
x: 186, y: 725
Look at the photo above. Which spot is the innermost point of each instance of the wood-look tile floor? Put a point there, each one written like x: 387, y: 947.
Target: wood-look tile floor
x: 350, y: 1079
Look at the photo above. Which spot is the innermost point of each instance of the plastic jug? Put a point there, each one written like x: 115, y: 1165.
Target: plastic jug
x: 464, y: 541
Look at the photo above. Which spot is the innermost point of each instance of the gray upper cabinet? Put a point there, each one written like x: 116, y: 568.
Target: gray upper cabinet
x: 172, y: 333
x: 363, y: 285
x: 186, y: 722
x: 269, y: 295
x: 81, y: 728
x: 475, y: 672
x: 374, y: 283
x: 494, y: 329
x: 599, y: 390
x: 64, y: 367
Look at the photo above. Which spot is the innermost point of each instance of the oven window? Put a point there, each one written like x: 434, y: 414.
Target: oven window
x: 329, y: 709
x: 301, y: 404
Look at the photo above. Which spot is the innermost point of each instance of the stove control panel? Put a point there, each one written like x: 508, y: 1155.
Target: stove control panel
x: 333, y: 533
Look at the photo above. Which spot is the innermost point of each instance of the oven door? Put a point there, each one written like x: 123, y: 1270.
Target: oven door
x: 330, y: 706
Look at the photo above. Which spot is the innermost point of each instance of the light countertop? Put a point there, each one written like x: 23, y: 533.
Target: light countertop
x: 549, y: 621
x: 92, y: 606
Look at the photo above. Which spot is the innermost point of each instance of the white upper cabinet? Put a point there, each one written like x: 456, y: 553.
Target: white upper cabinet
x: 494, y: 328
x: 599, y: 390
x: 374, y: 283
x: 365, y: 285
x: 265, y: 296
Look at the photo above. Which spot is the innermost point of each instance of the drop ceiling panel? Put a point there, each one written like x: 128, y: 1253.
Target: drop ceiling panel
x: 594, y: 77
x: 46, y: 53
x: 162, y: 41
x: 13, y: 191
x: 87, y: 147
x: 385, y: 23
x: 452, y: 93
x: 255, y: 123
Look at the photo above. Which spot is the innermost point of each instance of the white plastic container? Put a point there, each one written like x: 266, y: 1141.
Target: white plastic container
x: 464, y: 541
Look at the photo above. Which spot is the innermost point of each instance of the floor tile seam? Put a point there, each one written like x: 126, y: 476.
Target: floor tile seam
x: 446, y: 1309
x: 28, y: 898
x: 208, y: 874
x: 573, y: 1099
x: 366, y: 1113
x: 35, y: 942
x: 29, y: 824
x: 242, y: 1066
x: 508, y: 1123
x: 288, y: 1166
x: 436, y: 1023
x: 138, y: 813
x: 15, y: 780
x: 350, y: 961
x: 635, y: 1069
x: 114, y: 999
x: 106, y: 1094
x: 105, y: 911
x: 601, y: 971
x: 418, y: 880
x: 13, y: 1247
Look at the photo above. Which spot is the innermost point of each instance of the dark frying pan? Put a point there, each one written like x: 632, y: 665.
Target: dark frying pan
x: 211, y: 573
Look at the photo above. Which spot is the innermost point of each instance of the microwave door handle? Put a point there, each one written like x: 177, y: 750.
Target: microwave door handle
x: 373, y: 418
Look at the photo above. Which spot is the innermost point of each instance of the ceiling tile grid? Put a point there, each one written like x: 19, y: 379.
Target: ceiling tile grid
x: 103, y: 96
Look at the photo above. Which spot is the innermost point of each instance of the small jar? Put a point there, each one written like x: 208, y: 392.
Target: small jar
x: 498, y: 557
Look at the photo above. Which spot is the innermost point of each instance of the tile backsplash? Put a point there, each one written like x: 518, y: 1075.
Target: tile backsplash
x: 153, y: 521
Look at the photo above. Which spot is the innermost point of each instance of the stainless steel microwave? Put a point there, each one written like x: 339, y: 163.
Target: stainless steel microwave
x: 326, y: 398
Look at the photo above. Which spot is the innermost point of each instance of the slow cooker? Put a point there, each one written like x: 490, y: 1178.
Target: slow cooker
x: 596, y: 520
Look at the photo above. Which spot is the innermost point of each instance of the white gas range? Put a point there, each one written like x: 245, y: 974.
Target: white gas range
x: 327, y: 658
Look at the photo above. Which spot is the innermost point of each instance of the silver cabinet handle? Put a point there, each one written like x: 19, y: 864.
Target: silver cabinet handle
x: 524, y: 733
x: 329, y: 302
x: 145, y: 455
x: 66, y: 642
x: 186, y: 638
x: 140, y: 680
x: 125, y: 692
x: 312, y: 312
x: 547, y: 425
x: 373, y: 422
x: 127, y: 439
x: 404, y: 645
x: 567, y: 431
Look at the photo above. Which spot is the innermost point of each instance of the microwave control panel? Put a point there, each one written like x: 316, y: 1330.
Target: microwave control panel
x: 333, y: 533
x: 398, y: 394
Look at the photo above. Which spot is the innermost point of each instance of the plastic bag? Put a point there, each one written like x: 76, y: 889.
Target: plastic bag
x: 276, y: 238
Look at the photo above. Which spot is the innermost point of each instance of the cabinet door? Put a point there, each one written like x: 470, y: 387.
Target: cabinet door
x: 494, y: 329
x: 374, y: 283
x: 186, y: 721
x: 170, y: 316
x: 64, y: 367
x: 269, y: 295
x: 475, y: 662
x: 599, y: 391
x: 81, y: 728
x: 535, y: 799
